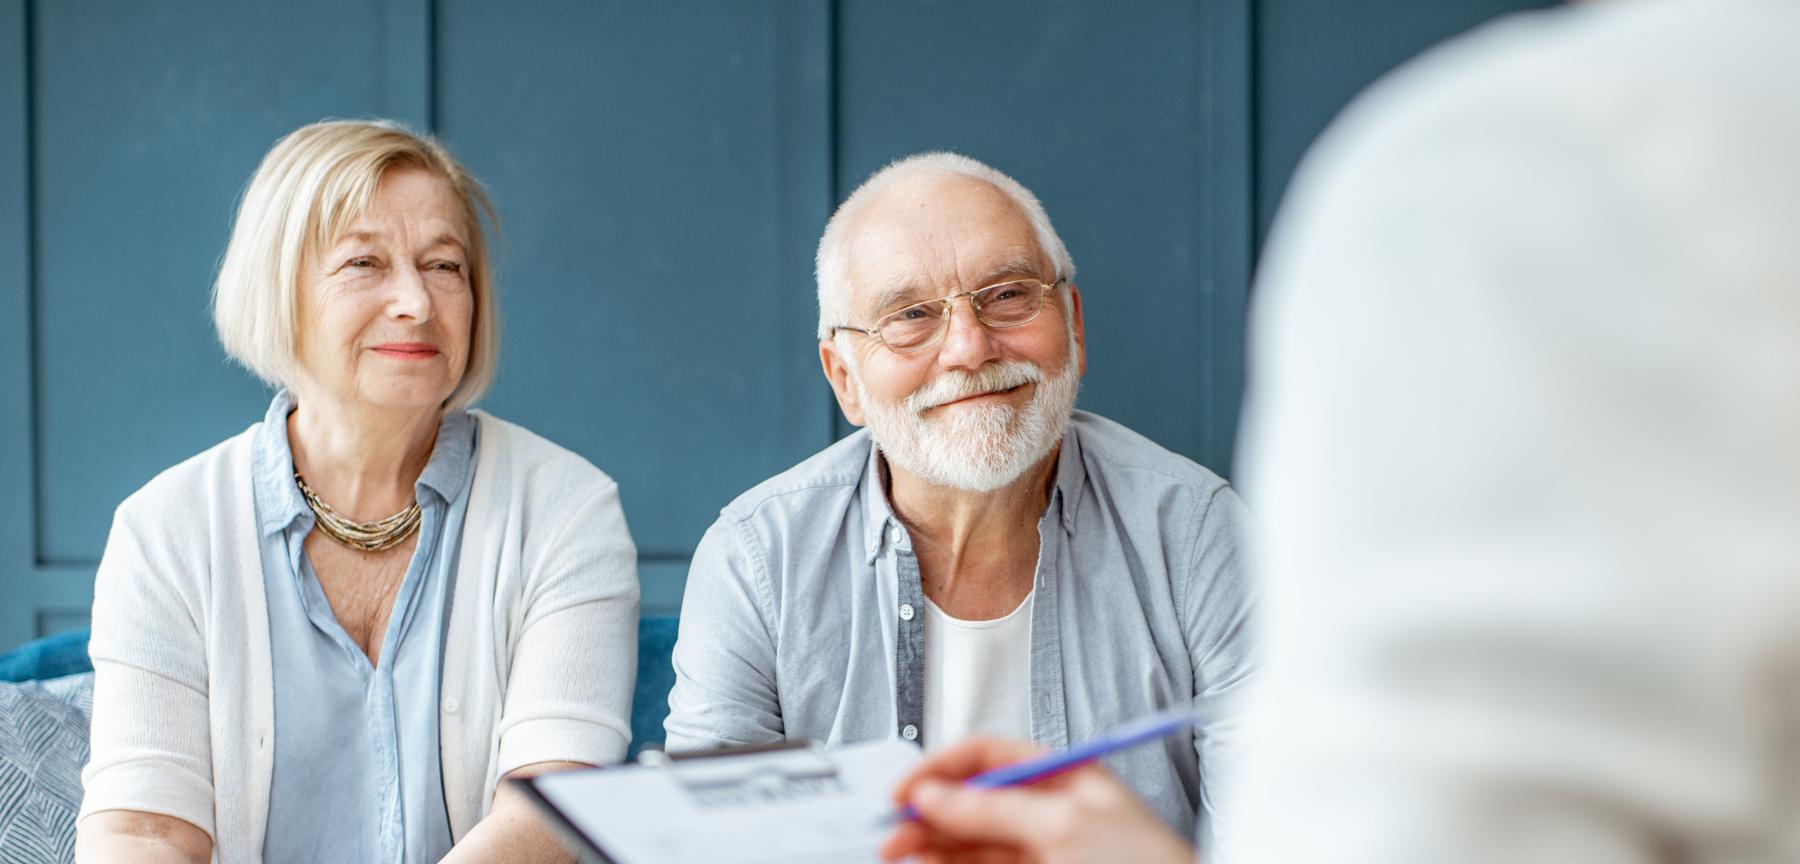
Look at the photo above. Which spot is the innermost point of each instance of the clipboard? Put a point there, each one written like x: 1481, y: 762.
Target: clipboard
x: 790, y: 801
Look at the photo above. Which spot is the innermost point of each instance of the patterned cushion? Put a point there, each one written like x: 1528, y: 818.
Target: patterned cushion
x: 43, y: 745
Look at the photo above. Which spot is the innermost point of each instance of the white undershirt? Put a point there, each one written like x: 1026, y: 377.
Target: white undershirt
x: 977, y: 676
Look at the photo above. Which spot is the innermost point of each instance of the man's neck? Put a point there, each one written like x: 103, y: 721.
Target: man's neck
x: 977, y: 551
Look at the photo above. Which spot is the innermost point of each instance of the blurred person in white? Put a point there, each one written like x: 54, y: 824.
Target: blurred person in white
x: 1522, y: 437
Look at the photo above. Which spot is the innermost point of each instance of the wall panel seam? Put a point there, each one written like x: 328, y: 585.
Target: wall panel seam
x: 1226, y: 191
x: 834, y: 44
x: 431, y: 66
x: 33, y: 376
x: 1252, y: 109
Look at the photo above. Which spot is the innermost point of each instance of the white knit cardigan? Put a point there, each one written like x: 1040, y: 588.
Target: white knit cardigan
x: 539, y: 658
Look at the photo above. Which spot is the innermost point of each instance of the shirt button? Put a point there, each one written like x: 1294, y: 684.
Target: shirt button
x: 894, y: 534
x: 451, y: 705
x: 909, y: 732
x: 906, y: 612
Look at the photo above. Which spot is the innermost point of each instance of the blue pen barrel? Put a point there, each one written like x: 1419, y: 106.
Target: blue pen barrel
x: 1050, y: 764
x: 1111, y: 741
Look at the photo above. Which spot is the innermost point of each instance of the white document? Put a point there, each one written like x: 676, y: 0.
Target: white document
x: 798, y: 805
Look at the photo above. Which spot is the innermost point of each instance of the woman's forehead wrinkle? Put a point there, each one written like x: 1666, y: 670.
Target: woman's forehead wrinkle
x: 412, y: 205
x: 360, y: 233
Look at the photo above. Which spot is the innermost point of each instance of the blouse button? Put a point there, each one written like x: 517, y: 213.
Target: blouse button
x: 451, y: 706
x: 909, y: 732
x: 906, y: 611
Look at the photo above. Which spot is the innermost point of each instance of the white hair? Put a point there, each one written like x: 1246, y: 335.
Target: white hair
x: 313, y: 183
x: 833, y: 266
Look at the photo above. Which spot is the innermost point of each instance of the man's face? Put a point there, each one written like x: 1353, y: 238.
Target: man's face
x: 981, y: 406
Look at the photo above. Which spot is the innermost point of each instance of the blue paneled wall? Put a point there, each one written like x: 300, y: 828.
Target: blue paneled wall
x: 662, y: 171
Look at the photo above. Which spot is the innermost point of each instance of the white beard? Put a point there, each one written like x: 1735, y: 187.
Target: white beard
x: 975, y: 448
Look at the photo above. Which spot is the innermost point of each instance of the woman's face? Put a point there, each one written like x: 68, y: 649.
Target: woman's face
x: 386, y: 311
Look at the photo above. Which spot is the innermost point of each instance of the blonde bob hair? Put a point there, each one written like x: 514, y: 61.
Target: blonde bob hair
x: 308, y: 190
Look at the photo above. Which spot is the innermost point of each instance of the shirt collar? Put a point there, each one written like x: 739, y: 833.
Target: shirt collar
x: 875, y: 504
x: 452, y: 460
x: 278, y: 499
x: 1071, y: 478
x: 1065, y: 495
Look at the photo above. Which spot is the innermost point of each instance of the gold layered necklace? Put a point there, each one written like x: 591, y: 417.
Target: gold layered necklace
x: 363, y: 536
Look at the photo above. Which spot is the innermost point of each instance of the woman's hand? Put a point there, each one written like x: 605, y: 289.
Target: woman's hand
x: 1085, y: 815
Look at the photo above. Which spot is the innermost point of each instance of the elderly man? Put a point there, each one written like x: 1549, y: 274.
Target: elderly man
x: 984, y: 558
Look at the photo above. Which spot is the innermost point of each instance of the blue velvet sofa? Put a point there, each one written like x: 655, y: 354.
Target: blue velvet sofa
x: 46, y: 698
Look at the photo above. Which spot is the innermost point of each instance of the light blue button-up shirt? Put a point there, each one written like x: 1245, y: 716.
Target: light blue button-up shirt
x: 800, y: 618
x: 357, y: 768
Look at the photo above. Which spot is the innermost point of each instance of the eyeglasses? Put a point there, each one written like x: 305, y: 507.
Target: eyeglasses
x: 921, y: 325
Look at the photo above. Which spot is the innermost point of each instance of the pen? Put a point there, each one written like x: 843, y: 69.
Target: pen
x: 1058, y: 761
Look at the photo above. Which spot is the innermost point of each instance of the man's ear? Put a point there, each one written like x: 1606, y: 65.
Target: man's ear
x: 837, y: 371
x: 1075, y: 323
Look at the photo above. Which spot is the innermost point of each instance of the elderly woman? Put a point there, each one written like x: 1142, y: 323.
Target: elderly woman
x: 330, y: 637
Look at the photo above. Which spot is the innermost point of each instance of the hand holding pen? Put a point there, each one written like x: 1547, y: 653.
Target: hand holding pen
x: 969, y: 808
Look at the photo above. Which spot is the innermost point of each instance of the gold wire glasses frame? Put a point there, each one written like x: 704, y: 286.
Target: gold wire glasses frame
x: 917, y: 327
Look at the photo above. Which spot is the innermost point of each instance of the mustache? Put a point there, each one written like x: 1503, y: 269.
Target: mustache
x: 956, y: 384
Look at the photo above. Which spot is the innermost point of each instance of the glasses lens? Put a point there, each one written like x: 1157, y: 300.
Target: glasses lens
x: 913, y: 326
x: 1009, y: 304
